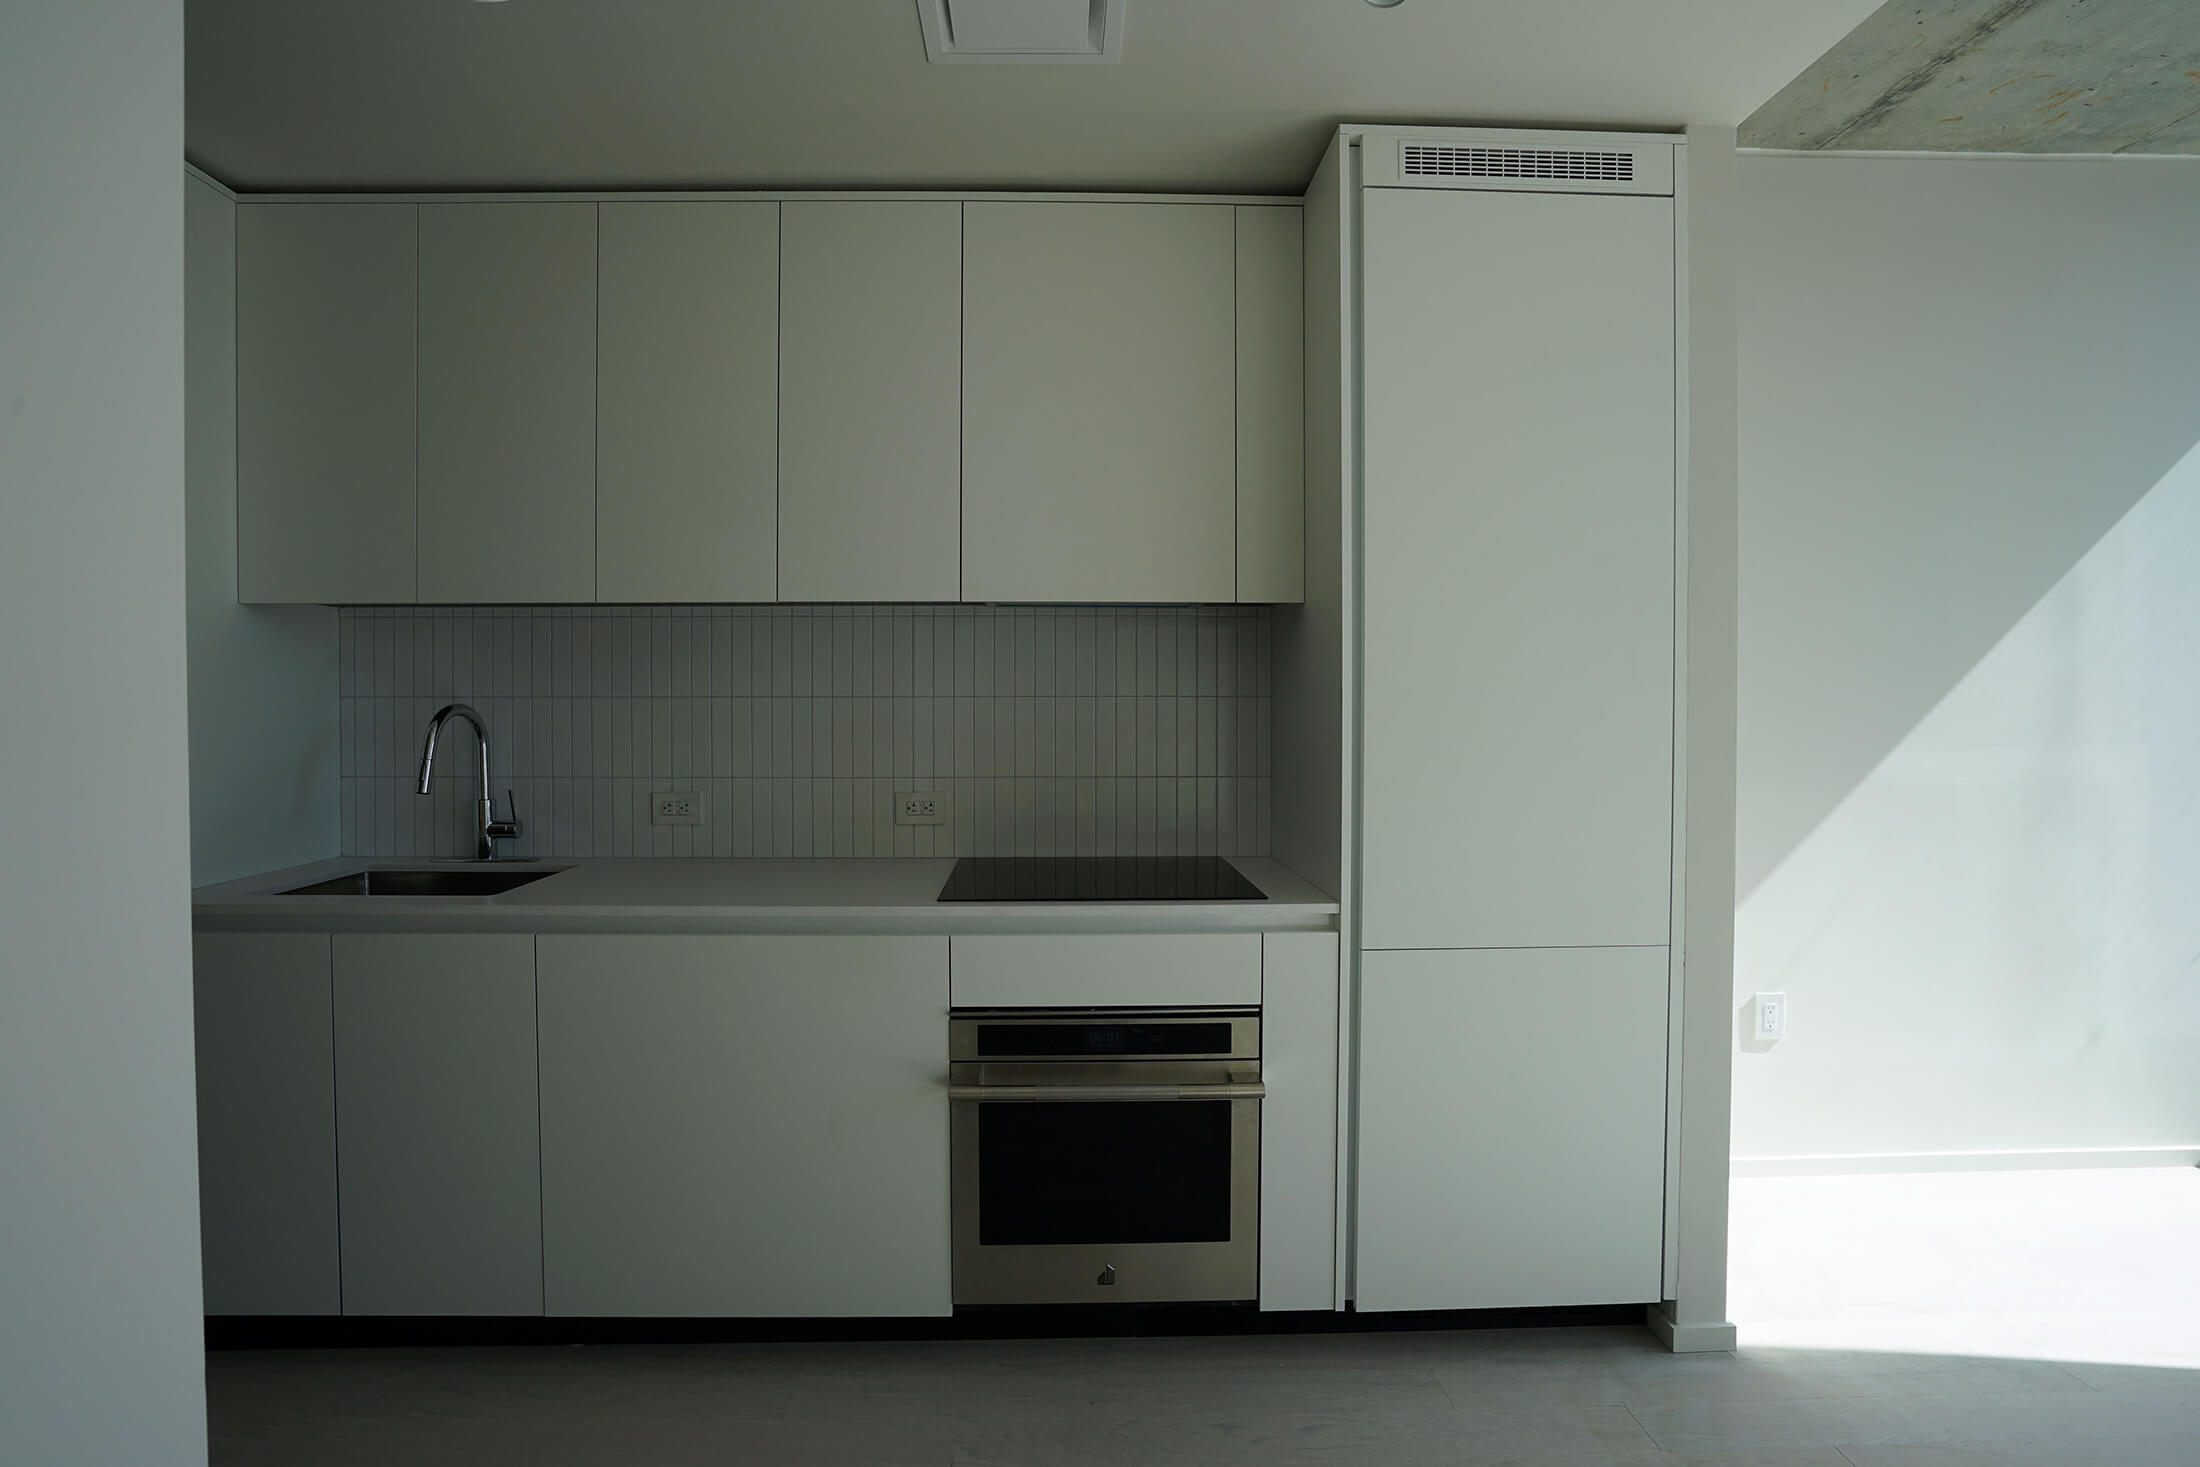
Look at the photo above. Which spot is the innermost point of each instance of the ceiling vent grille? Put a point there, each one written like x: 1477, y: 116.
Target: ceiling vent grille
x: 1434, y: 160
x: 1594, y: 163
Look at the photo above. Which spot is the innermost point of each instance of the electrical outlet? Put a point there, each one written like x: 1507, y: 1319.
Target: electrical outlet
x: 920, y: 807
x: 1768, y: 1016
x: 676, y: 807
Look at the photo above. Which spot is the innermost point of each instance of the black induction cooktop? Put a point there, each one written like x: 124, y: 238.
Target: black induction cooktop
x: 1097, y: 879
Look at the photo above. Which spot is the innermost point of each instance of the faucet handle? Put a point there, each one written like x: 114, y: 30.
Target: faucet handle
x: 506, y: 829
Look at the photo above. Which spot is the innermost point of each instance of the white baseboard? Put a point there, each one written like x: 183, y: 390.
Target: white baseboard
x: 1965, y: 1161
x: 1687, y: 1339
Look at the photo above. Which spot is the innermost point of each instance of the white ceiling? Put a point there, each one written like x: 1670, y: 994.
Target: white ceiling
x: 1224, y: 95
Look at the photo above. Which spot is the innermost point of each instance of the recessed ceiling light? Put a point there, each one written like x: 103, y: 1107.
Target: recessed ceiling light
x: 1386, y: 4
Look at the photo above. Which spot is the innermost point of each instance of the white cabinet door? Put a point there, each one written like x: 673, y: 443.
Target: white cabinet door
x: 1518, y: 525
x: 1298, y: 1121
x: 507, y: 402
x: 687, y: 401
x: 327, y: 499
x: 1271, y: 404
x: 870, y: 362
x: 1511, y: 1125
x: 439, y: 1160
x: 745, y: 1126
x: 267, y: 1123
x: 1099, y: 402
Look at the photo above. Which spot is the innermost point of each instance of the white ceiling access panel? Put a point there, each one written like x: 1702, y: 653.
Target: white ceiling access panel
x: 1056, y: 31
x: 1574, y: 163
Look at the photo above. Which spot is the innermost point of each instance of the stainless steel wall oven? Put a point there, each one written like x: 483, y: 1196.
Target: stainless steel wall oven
x: 1104, y: 1156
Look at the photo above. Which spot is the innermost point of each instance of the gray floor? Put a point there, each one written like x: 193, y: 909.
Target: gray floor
x: 1566, y: 1398
x: 2059, y: 1265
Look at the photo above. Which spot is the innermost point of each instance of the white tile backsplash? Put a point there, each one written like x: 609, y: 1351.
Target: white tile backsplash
x: 1053, y: 730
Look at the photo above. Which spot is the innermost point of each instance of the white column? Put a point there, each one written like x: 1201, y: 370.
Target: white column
x: 1695, y: 1317
x: 101, y: 1353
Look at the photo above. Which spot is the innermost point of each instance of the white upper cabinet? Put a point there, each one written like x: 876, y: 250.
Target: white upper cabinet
x: 1518, y: 509
x: 687, y: 401
x: 870, y: 362
x: 1271, y: 404
x: 326, y: 438
x: 727, y: 400
x: 507, y: 402
x: 1099, y: 402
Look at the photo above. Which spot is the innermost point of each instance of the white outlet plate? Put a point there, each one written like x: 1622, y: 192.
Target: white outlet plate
x: 1768, y: 1016
x: 920, y: 807
x: 676, y: 807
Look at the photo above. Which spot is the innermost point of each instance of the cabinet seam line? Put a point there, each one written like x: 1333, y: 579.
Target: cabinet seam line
x: 336, y: 1129
x: 542, y: 1222
x: 779, y: 396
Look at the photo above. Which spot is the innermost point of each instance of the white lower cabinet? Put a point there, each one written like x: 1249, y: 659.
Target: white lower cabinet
x: 439, y: 1157
x: 1298, y: 1121
x: 1511, y: 1125
x: 267, y: 1122
x: 744, y: 1126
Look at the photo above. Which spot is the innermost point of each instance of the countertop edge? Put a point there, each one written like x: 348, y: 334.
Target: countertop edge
x: 879, y: 896
x: 818, y: 921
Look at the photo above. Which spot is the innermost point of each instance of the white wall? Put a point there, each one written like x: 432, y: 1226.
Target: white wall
x: 263, y: 678
x: 100, y: 1359
x: 1969, y: 801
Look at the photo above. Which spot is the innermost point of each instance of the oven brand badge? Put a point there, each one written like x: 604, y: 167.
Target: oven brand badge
x: 1107, y: 1276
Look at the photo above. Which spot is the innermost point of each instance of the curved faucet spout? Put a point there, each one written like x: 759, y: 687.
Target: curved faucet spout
x: 488, y: 830
x: 435, y: 728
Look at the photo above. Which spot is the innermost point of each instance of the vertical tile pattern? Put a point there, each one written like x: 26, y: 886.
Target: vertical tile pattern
x: 1052, y: 730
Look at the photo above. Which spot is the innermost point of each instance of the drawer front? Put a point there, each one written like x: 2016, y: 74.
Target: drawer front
x: 1107, y: 971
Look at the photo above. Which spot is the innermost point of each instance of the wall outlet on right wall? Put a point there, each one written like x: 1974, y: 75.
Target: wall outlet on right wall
x: 1768, y: 1016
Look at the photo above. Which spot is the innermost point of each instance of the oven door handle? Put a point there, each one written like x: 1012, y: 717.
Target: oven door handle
x: 1226, y: 1090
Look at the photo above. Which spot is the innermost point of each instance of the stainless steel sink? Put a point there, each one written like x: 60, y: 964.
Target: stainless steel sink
x: 419, y: 883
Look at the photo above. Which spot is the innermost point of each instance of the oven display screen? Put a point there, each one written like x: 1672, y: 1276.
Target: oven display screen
x: 1070, y: 1041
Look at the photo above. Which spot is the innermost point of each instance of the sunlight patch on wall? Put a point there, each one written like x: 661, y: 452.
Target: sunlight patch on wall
x: 1991, y: 942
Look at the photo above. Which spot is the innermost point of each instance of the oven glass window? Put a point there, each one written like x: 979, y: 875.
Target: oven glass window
x: 1119, y: 1171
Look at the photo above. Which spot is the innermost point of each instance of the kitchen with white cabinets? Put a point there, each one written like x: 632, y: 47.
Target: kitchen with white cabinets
x: 1047, y: 732
x: 888, y: 751
x: 1060, y: 616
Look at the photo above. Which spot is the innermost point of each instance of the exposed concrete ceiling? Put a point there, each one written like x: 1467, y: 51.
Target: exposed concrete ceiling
x: 1229, y: 95
x: 2000, y: 76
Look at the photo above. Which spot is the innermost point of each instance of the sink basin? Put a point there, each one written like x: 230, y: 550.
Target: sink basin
x: 419, y: 883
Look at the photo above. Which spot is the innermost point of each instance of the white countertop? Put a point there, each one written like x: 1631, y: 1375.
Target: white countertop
x: 689, y: 895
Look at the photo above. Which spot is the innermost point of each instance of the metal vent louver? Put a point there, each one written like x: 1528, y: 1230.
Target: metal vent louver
x: 1435, y: 160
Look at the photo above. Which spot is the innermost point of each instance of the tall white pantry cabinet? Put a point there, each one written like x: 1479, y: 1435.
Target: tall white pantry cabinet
x: 1518, y: 506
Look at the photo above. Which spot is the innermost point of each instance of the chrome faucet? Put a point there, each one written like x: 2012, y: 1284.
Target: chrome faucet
x: 488, y: 830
